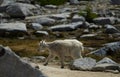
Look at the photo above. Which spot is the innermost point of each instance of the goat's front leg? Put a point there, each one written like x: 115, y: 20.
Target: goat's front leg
x: 50, y: 57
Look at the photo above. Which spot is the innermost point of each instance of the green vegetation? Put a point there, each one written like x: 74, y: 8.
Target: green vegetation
x: 54, y: 2
x: 88, y: 14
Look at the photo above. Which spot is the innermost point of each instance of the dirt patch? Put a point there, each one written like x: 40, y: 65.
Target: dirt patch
x: 52, y: 71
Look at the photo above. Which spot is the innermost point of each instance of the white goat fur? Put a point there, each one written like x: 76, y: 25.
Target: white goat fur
x: 62, y: 48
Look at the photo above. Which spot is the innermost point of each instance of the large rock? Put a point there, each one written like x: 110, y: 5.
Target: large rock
x: 111, y: 29
x: 13, y: 27
x: 67, y: 27
x: 115, y: 2
x: 110, y: 49
x: 60, y: 16
x: 83, y: 64
x: 106, y: 64
x: 45, y: 21
x: 20, y: 10
x: 104, y: 20
x: 70, y: 27
x: 12, y: 66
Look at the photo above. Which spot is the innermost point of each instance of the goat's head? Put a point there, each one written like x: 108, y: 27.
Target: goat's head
x: 42, y: 45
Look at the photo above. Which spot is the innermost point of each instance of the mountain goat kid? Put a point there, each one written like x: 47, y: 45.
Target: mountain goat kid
x: 62, y: 48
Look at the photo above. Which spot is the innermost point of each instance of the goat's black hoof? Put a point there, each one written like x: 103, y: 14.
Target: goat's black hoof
x: 45, y: 64
x: 62, y: 67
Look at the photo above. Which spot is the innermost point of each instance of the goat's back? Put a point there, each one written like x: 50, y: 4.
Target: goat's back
x: 68, y: 42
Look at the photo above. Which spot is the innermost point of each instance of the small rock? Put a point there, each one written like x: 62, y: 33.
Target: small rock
x: 40, y: 58
x: 77, y: 18
x: 83, y: 64
x: 42, y: 33
x: 88, y: 35
x: 51, y: 6
x: 37, y: 26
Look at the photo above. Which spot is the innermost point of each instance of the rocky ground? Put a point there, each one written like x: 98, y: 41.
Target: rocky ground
x: 24, y: 24
x: 58, y: 72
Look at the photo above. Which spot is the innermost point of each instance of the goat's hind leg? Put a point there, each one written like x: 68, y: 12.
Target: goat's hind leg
x: 62, y: 61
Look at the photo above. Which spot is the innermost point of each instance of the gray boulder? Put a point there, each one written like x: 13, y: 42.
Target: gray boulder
x: 106, y: 64
x: 13, y: 27
x: 110, y: 49
x: 11, y: 65
x: 83, y: 64
x: 51, y: 6
x: 67, y: 27
x: 45, y: 21
x: 104, y: 20
x: 60, y: 16
x: 111, y: 29
x: 20, y: 10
